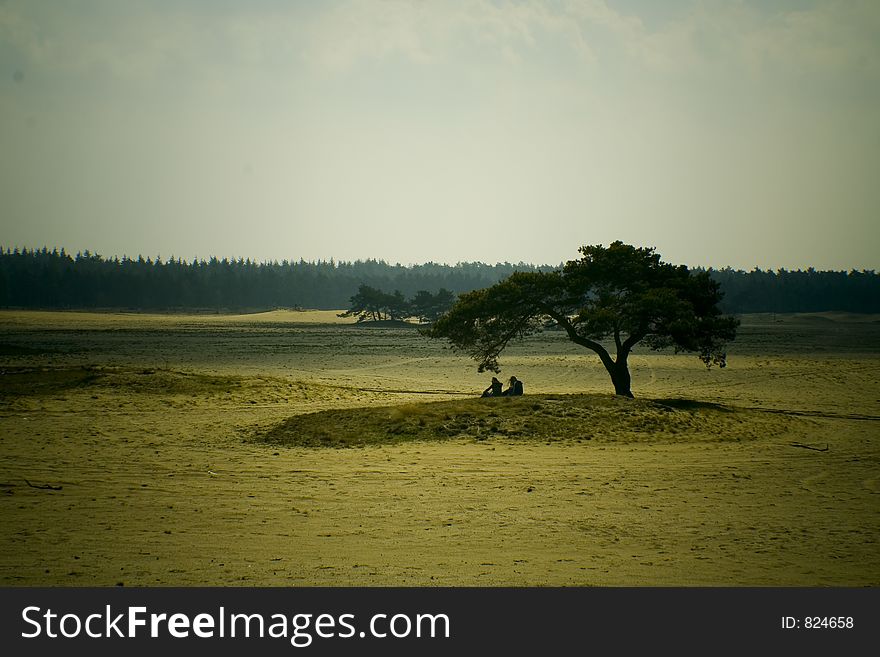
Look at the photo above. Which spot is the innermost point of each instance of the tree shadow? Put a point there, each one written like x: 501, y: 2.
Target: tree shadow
x: 691, y: 405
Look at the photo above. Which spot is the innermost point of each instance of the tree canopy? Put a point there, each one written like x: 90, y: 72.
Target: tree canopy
x: 620, y: 294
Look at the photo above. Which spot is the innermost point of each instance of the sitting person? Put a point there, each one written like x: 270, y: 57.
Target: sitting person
x: 494, y: 389
x: 515, y: 388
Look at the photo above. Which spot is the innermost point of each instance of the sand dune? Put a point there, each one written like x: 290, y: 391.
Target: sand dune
x: 153, y: 435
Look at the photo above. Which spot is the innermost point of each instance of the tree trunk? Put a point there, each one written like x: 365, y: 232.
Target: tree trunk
x: 618, y: 370
x: 621, y: 378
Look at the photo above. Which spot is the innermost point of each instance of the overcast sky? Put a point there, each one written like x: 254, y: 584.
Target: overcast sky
x: 723, y: 133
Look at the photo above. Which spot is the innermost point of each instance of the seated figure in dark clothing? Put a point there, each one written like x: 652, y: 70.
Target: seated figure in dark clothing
x: 514, y: 388
x: 494, y: 389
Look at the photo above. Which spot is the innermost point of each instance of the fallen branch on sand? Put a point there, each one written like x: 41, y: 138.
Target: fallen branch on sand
x: 43, y: 486
x: 815, y: 449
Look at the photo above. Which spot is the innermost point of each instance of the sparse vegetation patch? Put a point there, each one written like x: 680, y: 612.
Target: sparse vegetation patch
x: 569, y: 418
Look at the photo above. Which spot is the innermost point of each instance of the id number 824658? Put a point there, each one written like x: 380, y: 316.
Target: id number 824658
x: 818, y: 623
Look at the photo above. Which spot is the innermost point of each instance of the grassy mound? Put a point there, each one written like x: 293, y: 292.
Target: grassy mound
x: 569, y: 418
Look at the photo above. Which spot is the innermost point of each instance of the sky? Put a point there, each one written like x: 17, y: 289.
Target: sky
x: 724, y: 133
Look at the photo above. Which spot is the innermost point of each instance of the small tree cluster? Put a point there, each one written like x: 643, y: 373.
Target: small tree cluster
x: 372, y: 304
x: 429, y: 307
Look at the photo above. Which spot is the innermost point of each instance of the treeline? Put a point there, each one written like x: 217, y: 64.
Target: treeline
x: 798, y: 291
x: 55, y: 279
x: 31, y: 278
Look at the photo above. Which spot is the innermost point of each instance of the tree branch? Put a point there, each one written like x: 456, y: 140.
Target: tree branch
x: 633, y: 340
x: 575, y: 337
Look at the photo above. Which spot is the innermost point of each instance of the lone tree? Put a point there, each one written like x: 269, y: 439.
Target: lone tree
x: 620, y: 293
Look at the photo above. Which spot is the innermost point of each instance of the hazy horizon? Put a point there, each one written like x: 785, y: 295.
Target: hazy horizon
x: 391, y: 263
x: 723, y: 134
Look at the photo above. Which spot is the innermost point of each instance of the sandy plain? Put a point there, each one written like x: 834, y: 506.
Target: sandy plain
x: 132, y: 452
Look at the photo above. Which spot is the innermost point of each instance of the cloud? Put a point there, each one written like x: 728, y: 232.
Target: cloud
x: 826, y: 40
x: 143, y: 39
x: 358, y: 32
